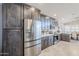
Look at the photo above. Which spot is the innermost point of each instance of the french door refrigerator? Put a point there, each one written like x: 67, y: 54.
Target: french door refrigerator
x: 32, y: 37
x: 32, y: 33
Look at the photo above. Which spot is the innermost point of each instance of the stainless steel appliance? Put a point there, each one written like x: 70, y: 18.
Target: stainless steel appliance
x: 32, y: 37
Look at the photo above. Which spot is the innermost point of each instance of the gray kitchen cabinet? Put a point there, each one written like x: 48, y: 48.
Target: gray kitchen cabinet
x: 65, y: 37
x: 50, y: 42
x: 13, y: 42
x: 46, y: 42
x: 13, y: 16
x: 12, y: 29
x: 0, y: 28
x: 42, y: 43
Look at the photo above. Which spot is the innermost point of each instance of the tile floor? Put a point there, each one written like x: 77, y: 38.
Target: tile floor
x: 62, y: 48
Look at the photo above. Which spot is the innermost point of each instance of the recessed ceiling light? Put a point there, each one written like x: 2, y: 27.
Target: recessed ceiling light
x: 47, y: 17
x: 40, y: 3
x: 73, y: 13
x: 33, y: 9
x: 55, y: 15
x: 62, y: 18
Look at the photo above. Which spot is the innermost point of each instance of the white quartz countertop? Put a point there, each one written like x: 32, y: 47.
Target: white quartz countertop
x: 44, y: 35
x: 47, y: 35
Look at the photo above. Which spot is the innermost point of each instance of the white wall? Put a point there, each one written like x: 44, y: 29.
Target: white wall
x: 0, y: 27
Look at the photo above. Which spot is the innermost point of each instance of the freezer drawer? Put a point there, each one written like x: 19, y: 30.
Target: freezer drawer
x: 28, y: 44
x: 33, y: 51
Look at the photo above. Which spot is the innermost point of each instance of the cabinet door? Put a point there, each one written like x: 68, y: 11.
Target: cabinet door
x: 12, y: 36
x: 47, y: 39
x: 13, y: 15
x: 13, y: 43
x: 0, y: 28
x: 42, y: 43
x: 46, y: 42
x: 4, y: 12
x: 49, y: 42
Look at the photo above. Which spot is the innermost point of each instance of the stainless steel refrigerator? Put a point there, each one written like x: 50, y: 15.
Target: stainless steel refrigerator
x: 32, y: 37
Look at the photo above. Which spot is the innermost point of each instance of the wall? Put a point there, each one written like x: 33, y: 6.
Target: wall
x: 0, y: 27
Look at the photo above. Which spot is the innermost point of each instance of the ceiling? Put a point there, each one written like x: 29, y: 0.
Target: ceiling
x: 74, y: 22
x: 64, y: 12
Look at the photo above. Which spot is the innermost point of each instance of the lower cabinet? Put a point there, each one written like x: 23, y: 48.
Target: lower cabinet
x: 46, y: 42
x: 12, y: 42
x: 65, y: 37
x: 50, y: 41
x: 43, y: 43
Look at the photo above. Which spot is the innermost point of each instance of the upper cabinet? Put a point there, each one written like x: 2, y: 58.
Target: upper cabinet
x: 48, y: 23
x: 14, y: 15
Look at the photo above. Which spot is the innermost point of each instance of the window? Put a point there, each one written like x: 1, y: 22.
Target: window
x: 69, y: 29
